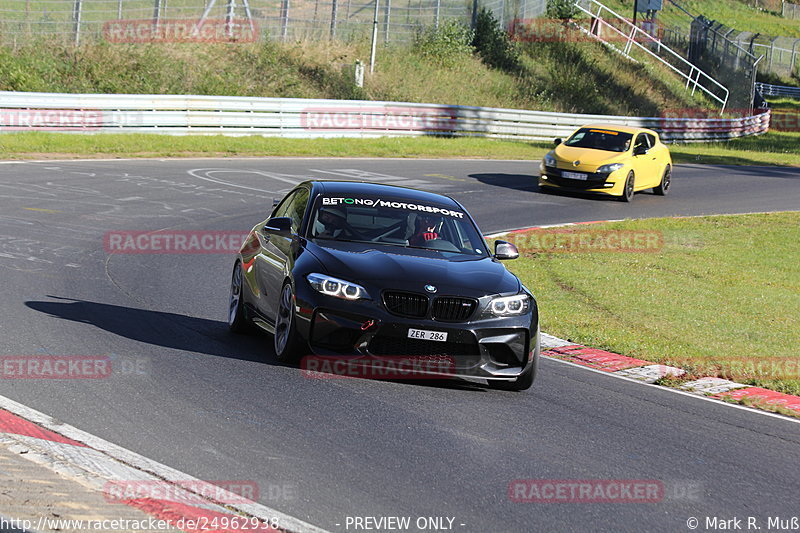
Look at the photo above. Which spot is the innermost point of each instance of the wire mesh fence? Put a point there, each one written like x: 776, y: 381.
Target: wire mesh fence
x: 790, y: 11
x: 715, y: 47
x: 232, y: 20
x: 696, y: 34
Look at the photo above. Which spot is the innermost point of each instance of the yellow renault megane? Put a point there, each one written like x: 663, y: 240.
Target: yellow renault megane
x: 613, y: 160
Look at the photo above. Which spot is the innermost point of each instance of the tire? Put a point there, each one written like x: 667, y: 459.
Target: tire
x: 662, y: 188
x: 237, y: 313
x: 523, y: 382
x: 287, y: 343
x: 627, y: 192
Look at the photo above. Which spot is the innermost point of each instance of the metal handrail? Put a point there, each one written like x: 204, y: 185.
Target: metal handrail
x: 631, y: 39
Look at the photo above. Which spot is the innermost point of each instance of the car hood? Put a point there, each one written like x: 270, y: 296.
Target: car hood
x: 590, y: 159
x: 391, y: 267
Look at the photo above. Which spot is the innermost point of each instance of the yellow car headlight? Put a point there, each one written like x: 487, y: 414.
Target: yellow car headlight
x: 608, y: 169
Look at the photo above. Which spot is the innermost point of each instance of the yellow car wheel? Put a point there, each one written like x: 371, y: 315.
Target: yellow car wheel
x: 662, y: 188
x: 627, y: 191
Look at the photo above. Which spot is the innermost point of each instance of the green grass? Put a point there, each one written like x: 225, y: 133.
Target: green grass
x: 59, y: 145
x: 738, y: 14
x: 770, y: 149
x: 721, y: 296
x: 790, y: 104
x: 569, y: 77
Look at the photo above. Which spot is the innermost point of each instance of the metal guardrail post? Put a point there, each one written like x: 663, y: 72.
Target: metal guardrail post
x: 156, y: 15
x: 284, y: 19
x: 76, y: 21
x: 474, y: 21
x: 374, y: 37
x: 334, y: 9
x: 230, y: 14
x: 386, y: 20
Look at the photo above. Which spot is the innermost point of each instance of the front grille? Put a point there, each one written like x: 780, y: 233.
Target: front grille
x: 402, y: 346
x: 453, y: 309
x: 406, y: 303
x: 595, y: 180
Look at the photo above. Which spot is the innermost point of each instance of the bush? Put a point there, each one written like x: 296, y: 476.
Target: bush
x: 561, y: 9
x: 492, y: 43
x: 445, y: 45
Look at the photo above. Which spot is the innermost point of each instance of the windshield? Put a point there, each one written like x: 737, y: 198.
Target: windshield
x: 598, y: 139
x: 395, y: 222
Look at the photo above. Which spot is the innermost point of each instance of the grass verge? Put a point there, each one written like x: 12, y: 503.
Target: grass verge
x: 775, y: 148
x: 439, y: 67
x: 720, y: 297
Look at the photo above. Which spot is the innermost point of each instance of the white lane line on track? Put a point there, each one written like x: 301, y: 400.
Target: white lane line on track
x: 105, y: 458
x: 195, y: 172
x: 676, y: 391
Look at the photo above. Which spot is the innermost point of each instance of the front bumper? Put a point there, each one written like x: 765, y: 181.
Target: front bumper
x: 605, y: 183
x: 499, y: 348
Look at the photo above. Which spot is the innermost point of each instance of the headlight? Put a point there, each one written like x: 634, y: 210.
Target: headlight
x: 337, y: 287
x: 549, y: 160
x: 510, y: 305
x: 610, y: 168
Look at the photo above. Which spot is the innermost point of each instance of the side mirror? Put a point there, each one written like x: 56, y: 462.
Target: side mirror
x: 279, y: 225
x: 505, y: 250
x: 557, y: 141
x: 639, y: 150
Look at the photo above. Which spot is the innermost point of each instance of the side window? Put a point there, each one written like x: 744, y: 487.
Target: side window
x: 297, y: 208
x: 641, y: 140
x: 283, y: 208
x: 651, y: 139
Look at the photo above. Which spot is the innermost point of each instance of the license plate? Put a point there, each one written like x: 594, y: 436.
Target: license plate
x: 575, y: 175
x: 427, y: 335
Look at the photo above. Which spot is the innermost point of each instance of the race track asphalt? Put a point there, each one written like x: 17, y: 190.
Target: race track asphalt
x: 219, y: 407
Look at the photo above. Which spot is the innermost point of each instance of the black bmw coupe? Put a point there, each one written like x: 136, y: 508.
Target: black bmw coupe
x: 363, y: 271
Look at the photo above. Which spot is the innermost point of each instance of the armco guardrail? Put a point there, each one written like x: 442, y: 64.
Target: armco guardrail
x: 292, y: 117
x: 778, y: 90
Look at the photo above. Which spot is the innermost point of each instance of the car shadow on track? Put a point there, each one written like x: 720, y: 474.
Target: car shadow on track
x: 528, y: 183
x: 159, y: 328
x: 188, y: 334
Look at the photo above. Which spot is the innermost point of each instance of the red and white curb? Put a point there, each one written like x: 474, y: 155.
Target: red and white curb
x: 547, y: 226
x: 647, y: 372
x: 96, y: 463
